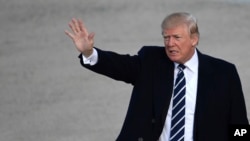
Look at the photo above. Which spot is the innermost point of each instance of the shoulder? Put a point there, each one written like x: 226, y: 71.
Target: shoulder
x: 215, y: 63
x: 151, y: 51
x: 153, y: 54
x: 155, y: 49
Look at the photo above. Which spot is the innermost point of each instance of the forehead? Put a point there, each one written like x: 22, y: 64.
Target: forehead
x: 181, y: 29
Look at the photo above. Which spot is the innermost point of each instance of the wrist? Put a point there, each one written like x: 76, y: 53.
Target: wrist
x: 87, y: 53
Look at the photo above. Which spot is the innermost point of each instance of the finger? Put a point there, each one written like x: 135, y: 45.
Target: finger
x: 83, y: 28
x: 91, y: 36
x: 72, y: 27
x: 76, y: 25
x: 69, y: 34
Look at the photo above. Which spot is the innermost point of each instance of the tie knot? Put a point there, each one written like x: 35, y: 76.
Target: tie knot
x: 181, y: 67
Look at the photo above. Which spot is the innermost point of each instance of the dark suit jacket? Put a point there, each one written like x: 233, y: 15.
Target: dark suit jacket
x: 219, y: 103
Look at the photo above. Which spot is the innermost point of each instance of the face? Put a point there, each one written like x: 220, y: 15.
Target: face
x: 179, y: 45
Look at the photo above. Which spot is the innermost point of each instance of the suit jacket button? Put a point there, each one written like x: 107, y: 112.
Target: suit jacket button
x: 140, y: 139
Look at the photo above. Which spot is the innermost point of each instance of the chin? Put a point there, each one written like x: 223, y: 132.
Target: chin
x: 174, y: 59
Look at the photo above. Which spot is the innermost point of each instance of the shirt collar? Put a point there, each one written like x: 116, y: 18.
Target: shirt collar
x: 191, y: 64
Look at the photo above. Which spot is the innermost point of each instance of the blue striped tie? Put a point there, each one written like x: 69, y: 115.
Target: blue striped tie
x: 178, y: 110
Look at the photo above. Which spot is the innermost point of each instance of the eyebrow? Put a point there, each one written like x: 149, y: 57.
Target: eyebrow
x: 174, y: 35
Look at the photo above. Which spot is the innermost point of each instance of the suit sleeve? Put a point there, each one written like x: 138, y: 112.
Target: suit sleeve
x: 116, y: 66
x: 238, y: 107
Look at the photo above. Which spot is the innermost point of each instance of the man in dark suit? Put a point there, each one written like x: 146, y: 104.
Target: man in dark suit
x: 179, y: 93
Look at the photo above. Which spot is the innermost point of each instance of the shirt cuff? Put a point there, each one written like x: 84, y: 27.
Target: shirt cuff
x: 92, y: 59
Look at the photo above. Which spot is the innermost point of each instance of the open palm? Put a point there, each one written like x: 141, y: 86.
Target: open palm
x: 83, y: 41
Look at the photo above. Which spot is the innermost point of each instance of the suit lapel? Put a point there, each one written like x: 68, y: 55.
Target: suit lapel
x: 162, y: 87
x: 204, y: 89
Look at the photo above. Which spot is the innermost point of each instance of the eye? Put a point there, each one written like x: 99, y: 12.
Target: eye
x: 166, y: 38
x: 177, y: 37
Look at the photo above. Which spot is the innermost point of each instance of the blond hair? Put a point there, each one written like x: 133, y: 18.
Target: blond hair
x: 180, y: 18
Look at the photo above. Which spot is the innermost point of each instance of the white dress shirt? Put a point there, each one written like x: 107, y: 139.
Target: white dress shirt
x: 92, y: 59
x: 191, y: 76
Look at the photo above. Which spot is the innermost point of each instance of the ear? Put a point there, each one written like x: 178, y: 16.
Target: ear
x: 194, y: 39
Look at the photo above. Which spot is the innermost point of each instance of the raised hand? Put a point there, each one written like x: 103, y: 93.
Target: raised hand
x: 83, y: 41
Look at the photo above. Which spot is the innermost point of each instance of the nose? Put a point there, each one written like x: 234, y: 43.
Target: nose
x: 169, y: 42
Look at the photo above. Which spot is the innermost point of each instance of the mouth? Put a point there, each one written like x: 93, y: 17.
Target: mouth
x: 173, y: 52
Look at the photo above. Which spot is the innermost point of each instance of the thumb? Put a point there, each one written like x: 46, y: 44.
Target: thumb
x: 91, y: 36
